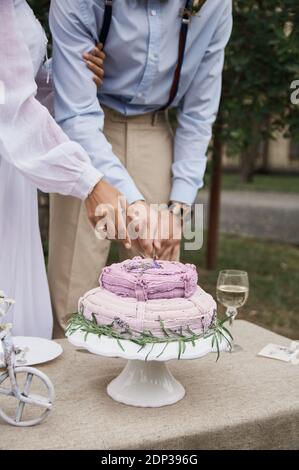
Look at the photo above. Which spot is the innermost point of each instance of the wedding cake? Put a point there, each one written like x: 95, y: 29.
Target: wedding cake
x: 149, y: 299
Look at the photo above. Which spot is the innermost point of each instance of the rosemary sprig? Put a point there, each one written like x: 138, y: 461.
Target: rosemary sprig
x: 218, y: 332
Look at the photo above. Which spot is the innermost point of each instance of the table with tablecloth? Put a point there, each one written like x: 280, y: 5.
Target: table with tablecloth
x: 240, y: 402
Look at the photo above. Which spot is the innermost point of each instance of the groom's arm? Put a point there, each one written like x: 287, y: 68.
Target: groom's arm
x: 197, y: 113
x: 77, y: 108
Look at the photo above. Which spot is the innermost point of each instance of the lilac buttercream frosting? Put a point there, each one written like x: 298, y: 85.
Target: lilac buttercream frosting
x: 195, y: 314
x: 147, y: 279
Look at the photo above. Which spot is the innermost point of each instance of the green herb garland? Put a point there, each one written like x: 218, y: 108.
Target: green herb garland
x: 217, y: 332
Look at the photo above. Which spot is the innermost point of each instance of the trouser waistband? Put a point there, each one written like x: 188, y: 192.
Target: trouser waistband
x: 153, y: 118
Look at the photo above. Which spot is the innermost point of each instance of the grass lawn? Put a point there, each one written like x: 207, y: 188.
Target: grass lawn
x: 277, y: 183
x: 273, y: 274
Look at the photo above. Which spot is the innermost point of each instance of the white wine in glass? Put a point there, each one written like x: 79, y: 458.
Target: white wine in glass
x: 232, y: 297
x: 232, y: 292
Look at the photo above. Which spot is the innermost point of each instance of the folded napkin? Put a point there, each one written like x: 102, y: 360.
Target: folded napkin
x: 282, y: 353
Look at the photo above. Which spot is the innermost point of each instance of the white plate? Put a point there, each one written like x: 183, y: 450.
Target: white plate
x: 40, y: 350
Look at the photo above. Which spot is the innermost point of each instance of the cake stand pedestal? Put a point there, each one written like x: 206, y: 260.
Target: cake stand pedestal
x: 146, y: 384
x: 146, y: 380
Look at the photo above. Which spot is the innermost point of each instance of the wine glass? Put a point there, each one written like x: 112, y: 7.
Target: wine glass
x: 232, y: 292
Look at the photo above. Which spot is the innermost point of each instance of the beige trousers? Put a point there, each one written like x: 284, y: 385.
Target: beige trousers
x: 144, y: 144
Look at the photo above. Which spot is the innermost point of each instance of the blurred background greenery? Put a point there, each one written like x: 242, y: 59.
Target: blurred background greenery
x: 258, y: 128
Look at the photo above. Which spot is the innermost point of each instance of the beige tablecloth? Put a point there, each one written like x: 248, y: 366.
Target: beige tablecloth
x: 240, y: 402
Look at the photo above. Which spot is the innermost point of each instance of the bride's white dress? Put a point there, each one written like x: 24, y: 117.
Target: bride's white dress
x: 33, y: 153
x: 22, y: 273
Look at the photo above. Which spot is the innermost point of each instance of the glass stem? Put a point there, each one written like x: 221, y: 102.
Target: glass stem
x: 231, y: 313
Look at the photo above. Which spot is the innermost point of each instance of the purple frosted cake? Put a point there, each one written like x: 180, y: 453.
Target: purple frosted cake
x: 140, y: 297
x: 148, y: 279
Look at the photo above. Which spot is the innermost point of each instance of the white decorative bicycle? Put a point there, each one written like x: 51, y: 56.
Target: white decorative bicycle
x: 16, y: 382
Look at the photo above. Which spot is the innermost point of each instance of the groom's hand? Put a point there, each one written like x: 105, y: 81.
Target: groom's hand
x: 106, y: 210
x: 142, y: 222
x: 170, y: 234
x: 95, y: 62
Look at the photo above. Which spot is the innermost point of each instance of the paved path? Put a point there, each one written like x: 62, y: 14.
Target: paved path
x: 265, y: 215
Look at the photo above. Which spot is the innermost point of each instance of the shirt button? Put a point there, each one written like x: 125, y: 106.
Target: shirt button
x: 153, y: 12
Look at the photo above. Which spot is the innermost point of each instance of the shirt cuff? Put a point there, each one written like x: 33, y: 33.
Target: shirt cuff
x: 132, y: 194
x: 87, y: 181
x: 184, y: 192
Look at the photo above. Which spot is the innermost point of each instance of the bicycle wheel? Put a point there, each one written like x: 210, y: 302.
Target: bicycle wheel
x: 40, y: 401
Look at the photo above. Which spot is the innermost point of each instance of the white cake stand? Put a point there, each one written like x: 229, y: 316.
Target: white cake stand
x: 146, y: 380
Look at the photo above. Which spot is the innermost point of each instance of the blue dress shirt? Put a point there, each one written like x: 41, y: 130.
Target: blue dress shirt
x: 142, y: 53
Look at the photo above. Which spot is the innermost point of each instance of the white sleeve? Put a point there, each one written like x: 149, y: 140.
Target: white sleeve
x: 29, y: 137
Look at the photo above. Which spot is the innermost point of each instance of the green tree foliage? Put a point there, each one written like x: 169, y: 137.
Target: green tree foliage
x: 261, y: 63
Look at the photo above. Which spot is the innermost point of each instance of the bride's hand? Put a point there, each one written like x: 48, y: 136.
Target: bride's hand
x: 95, y: 62
x: 106, y: 210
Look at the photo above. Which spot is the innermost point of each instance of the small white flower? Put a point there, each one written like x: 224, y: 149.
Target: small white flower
x: 5, y: 303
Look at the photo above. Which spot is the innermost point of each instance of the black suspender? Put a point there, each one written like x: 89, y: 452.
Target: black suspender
x: 106, y: 22
x: 186, y: 19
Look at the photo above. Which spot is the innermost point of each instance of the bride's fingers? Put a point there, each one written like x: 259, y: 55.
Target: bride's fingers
x: 164, y: 252
x: 96, y: 56
x: 95, y: 64
x: 98, y: 71
x: 98, y: 51
x: 94, y: 59
x: 157, y: 244
x: 173, y: 256
x: 122, y: 233
x: 121, y: 229
x: 97, y: 81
